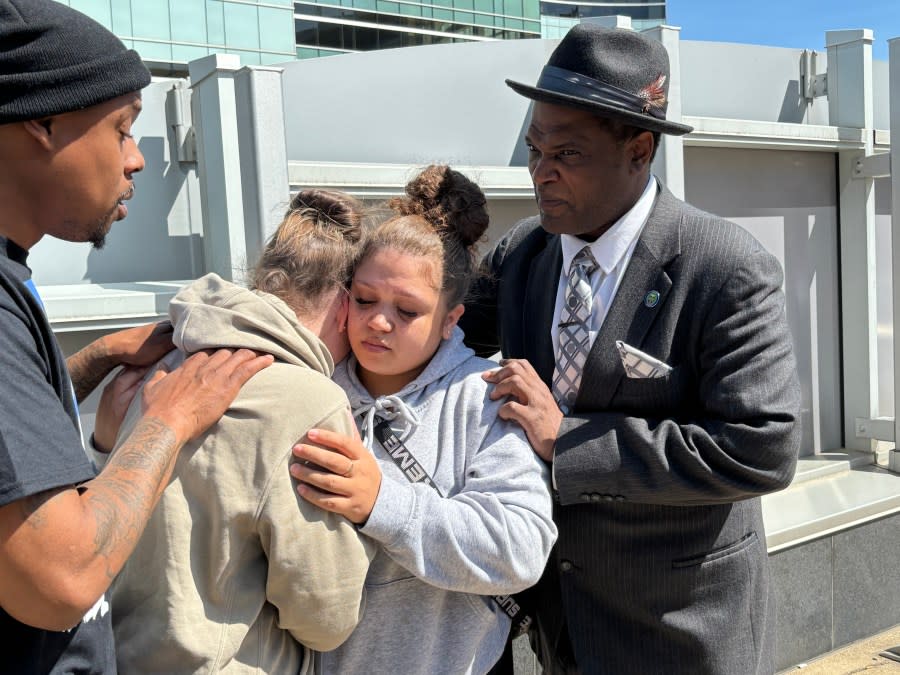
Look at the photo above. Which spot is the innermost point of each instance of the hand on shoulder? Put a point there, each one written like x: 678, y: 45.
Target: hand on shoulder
x: 529, y: 403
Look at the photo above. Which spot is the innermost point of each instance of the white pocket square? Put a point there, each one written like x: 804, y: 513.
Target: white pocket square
x: 640, y: 365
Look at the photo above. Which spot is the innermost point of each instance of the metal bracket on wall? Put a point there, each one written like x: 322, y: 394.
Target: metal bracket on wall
x: 873, y: 166
x: 178, y: 107
x: 812, y: 85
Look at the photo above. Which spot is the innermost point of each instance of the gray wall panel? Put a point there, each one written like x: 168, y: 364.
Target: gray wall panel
x: 786, y: 200
x: 504, y: 214
x: 866, y: 592
x: 802, y: 586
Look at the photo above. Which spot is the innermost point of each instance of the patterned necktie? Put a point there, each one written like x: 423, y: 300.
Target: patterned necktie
x: 574, y: 330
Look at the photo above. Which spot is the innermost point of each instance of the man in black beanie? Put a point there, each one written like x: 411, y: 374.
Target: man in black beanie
x: 69, y: 94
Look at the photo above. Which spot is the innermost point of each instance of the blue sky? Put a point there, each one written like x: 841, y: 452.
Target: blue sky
x: 798, y: 24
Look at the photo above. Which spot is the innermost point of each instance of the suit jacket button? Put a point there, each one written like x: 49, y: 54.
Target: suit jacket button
x: 607, y: 498
x: 566, y: 566
x: 620, y: 498
x: 585, y: 497
x: 595, y: 497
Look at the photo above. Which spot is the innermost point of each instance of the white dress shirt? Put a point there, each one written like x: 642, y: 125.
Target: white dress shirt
x: 612, y: 251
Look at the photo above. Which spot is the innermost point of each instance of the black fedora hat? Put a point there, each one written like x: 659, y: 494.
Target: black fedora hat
x: 611, y: 72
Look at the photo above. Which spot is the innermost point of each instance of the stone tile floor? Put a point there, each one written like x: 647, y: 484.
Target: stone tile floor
x: 859, y: 657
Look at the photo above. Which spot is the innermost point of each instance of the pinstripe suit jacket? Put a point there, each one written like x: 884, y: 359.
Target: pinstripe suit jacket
x: 661, y: 562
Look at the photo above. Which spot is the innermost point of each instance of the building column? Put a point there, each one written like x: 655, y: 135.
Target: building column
x: 669, y: 162
x: 894, y: 86
x: 263, y: 151
x: 850, y: 105
x: 219, y: 163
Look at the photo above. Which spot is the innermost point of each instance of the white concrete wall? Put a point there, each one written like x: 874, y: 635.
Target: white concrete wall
x: 449, y: 103
x: 160, y: 239
x: 416, y: 105
x: 748, y: 82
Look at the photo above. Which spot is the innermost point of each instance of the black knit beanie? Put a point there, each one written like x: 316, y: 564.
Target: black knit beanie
x: 54, y: 59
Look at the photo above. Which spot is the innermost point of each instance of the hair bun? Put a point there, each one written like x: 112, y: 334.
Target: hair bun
x: 450, y: 201
x: 333, y: 210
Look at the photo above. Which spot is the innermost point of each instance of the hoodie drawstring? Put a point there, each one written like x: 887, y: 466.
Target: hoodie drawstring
x: 386, y: 407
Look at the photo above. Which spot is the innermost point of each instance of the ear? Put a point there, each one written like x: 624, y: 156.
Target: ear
x: 343, y: 311
x: 641, y: 149
x: 41, y: 131
x: 451, y: 320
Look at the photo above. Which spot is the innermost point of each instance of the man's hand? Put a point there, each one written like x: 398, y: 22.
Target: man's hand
x: 193, y: 397
x: 138, y: 346
x: 114, y: 402
x: 141, y: 345
x: 530, y: 403
x: 343, y: 480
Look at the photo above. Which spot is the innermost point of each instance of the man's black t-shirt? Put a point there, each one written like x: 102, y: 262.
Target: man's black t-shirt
x: 40, y: 449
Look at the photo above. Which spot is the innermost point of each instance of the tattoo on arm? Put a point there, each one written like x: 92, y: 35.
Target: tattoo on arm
x: 87, y: 368
x: 31, y: 508
x: 124, y: 495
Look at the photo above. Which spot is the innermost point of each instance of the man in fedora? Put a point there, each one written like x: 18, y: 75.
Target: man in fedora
x: 647, y: 356
x: 69, y: 94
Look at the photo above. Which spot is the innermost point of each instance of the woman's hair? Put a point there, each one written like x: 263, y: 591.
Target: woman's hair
x: 442, y: 216
x: 313, y: 251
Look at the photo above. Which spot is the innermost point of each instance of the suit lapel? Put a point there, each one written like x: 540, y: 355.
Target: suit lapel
x: 537, y: 311
x: 634, y: 307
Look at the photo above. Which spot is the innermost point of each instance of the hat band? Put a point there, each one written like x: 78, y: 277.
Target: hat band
x: 562, y: 81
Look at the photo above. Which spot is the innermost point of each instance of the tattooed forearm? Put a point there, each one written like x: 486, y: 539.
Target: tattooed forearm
x: 88, y: 367
x: 123, y: 496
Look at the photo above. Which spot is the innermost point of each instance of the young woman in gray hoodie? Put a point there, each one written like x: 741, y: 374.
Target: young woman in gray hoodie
x: 453, y: 495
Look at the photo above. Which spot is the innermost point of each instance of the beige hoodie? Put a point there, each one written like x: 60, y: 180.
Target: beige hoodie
x: 235, y: 570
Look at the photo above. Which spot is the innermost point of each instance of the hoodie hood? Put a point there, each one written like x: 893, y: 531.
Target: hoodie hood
x: 212, y: 313
x: 403, y: 407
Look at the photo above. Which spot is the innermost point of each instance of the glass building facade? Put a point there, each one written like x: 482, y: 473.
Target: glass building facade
x: 326, y: 27
x: 170, y: 33
x: 558, y: 16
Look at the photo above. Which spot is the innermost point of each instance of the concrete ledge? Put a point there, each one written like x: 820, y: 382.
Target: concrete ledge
x: 380, y: 181
x: 829, y: 464
x: 830, y: 492
x: 730, y: 133
x: 81, y: 307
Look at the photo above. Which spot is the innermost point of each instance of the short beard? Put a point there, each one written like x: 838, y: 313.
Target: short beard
x: 97, y: 235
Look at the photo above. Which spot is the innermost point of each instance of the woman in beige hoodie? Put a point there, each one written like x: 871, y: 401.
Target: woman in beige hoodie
x: 235, y: 573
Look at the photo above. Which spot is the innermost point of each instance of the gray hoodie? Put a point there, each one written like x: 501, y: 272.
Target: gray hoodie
x: 235, y: 572
x: 428, y: 606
